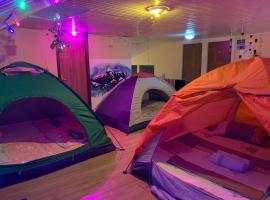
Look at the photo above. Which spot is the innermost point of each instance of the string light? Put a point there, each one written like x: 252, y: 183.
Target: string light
x: 73, y: 27
x: 22, y: 5
x: 10, y: 29
x: 58, y: 43
x: 17, y: 23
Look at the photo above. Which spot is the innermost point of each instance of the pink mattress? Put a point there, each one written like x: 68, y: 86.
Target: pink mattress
x: 193, y: 150
x: 27, y: 141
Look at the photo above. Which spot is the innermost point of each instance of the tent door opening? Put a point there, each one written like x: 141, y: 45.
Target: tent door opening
x: 36, y: 128
x: 152, y: 101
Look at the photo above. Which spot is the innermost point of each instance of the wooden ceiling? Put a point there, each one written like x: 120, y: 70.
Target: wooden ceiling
x: 209, y: 18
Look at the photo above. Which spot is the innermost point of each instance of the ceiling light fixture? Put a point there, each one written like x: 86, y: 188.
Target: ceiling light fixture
x: 190, y: 34
x: 158, y: 10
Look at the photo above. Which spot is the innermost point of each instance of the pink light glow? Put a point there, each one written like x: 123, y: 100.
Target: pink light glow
x: 90, y: 197
x: 54, y: 1
x: 18, y: 23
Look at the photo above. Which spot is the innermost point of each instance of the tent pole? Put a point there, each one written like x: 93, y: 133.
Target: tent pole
x: 126, y: 169
x: 121, y: 148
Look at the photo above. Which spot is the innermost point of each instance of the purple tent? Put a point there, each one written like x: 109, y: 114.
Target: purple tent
x: 133, y: 103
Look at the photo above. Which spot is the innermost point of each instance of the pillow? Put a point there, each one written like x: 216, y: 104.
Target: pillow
x: 231, y: 161
x: 247, y: 133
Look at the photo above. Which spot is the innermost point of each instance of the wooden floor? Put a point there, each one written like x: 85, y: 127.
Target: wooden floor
x: 98, y: 178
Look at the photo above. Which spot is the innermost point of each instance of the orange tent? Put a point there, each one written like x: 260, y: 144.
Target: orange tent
x: 213, y: 99
x: 193, y: 117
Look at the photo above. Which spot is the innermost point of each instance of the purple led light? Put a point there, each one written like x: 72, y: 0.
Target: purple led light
x: 10, y: 29
x: 74, y: 33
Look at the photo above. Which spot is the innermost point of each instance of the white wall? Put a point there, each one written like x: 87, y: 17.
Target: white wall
x: 34, y: 46
x: 101, y: 47
x: 165, y: 55
x: 28, y: 45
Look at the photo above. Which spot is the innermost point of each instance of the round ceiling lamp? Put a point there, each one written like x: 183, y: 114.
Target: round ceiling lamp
x: 158, y: 10
x: 190, y: 34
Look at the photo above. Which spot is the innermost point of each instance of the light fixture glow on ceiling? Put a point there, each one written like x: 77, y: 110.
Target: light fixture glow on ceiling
x: 158, y: 10
x: 190, y: 34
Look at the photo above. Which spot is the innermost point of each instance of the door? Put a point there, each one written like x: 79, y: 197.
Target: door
x: 192, y: 61
x: 219, y: 53
x: 73, y: 65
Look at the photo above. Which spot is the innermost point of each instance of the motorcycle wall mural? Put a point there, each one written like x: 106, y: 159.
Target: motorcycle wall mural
x: 105, y: 74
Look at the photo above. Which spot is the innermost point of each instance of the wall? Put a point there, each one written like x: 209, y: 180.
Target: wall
x: 101, y: 47
x: 28, y: 45
x: 263, y: 47
x: 33, y: 46
x: 107, y: 54
x: 167, y: 56
x: 205, y: 49
x: 164, y: 54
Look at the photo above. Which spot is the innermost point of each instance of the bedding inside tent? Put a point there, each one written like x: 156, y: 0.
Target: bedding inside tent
x: 186, y: 160
x: 182, y: 167
x: 34, y: 128
x: 152, y: 101
x: 191, y: 154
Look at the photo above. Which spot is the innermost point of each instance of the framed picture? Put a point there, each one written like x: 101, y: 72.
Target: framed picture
x: 105, y: 74
x: 241, y: 44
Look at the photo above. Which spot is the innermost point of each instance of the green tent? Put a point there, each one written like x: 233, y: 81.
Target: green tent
x: 30, y: 93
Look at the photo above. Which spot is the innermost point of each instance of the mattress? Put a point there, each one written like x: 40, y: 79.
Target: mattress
x: 151, y: 108
x: 170, y: 183
x: 27, y: 141
x: 190, y: 153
